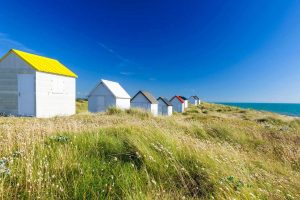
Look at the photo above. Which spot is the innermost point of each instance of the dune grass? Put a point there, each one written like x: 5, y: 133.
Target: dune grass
x: 209, y: 152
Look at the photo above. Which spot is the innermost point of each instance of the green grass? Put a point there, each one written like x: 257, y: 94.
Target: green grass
x: 81, y: 106
x: 209, y: 152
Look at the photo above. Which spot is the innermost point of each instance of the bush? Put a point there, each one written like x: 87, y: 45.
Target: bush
x: 139, y: 113
x: 114, y: 111
x: 270, y: 120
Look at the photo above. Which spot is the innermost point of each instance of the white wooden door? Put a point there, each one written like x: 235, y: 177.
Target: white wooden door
x: 26, y: 100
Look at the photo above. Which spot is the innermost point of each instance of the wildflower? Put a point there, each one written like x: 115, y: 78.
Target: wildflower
x: 153, y: 181
x: 3, y: 161
x: 16, y: 154
x: 60, y: 138
x: 3, y: 169
x: 151, y: 158
x: 138, y: 155
x: 251, y: 194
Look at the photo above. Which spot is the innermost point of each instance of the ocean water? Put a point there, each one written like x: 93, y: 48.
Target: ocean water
x: 291, y: 109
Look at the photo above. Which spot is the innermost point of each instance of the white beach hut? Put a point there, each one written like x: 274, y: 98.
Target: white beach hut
x: 108, y: 94
x: 146, y: 101
x: 193, y: 100
x: 164, y: 106
x: 32, y: 85
x: 199, y: 101
x: 178, y: 104
x: 186, y: 101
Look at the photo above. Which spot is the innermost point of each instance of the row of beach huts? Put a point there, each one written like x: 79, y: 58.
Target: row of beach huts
x: 33, y: 85
x: 111, y: 94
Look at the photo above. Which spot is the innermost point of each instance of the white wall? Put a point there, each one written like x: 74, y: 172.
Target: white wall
x: 154, y: 109
x: 123, y: 103
x: 9, y: 68
x: 186, y: 103
x: 55, y: 95
x: 177, y: 105
x: 101, y: 98
x: 170, y: 110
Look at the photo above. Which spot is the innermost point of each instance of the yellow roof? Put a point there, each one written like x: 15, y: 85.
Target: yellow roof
x: 43, y: 64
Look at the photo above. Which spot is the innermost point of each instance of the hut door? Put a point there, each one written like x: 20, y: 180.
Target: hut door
x: 26, y: 95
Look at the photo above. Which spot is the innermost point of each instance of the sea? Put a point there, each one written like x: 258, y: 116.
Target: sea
x: 291, y: 109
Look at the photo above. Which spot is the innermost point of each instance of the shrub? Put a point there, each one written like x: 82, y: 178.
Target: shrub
x: 270, y: 120
x: 114, y: 111
x: 139, y: 113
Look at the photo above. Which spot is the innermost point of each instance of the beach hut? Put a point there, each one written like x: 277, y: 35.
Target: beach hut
x: 178, y: 104
x: 108, y: 94
x: 193, y: 100
x: 199, y: 101
x: 164, y: 106
x: 146, y: 101
x: 32, y: 85
x: 186, y: 101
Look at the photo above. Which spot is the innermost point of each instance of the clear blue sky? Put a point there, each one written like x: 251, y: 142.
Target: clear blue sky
x: 221, y: 50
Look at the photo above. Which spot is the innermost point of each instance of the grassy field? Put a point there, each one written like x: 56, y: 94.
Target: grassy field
x: 209, y: 152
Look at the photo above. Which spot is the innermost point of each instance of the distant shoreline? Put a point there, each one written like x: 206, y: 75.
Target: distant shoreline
x: 288, y: 109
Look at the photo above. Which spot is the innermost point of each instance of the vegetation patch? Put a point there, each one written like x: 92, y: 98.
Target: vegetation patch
x: 223, y: 154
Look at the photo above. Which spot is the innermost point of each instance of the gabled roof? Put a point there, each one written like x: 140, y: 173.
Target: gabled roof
x: 115, y: 88
x: 195, y: 97
x: 42, y: 64
x: 148, y: 96
x: 177, y: 97
x: 166, y: 101
x: 183, y: 97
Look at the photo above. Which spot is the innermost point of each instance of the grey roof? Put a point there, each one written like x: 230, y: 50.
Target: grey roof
x: 148, y: 96
x: 183, y: 98
x: 165, y: 100
x: 195, y: 97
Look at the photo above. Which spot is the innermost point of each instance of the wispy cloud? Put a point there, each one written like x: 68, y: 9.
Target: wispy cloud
x: 113, y: 52
x: 6, y: 43
x: 124, y: 64
x: 152, y: 79
x: 127, y: 73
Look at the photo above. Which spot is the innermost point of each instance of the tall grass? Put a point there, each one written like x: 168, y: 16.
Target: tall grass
x: 133, y: 155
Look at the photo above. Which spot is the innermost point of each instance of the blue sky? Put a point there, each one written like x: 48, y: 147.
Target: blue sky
x: 228, y: 51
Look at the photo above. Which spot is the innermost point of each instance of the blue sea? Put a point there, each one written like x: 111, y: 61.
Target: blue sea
x: 291, y: 109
